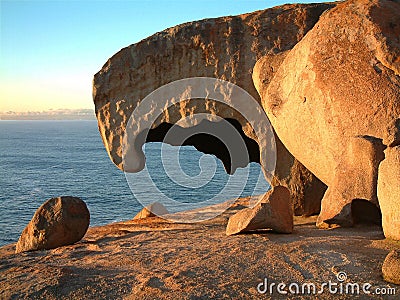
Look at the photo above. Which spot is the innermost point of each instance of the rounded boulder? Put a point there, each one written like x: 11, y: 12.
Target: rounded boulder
x: 58, y: 222
x: 391, y: 267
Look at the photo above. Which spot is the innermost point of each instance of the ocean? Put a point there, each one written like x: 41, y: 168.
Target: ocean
x: 44, y: 159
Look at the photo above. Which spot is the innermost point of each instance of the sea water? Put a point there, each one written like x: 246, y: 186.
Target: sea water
x: 44, y: 159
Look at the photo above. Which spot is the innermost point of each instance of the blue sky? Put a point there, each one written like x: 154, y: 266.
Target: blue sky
x: 50, y: 50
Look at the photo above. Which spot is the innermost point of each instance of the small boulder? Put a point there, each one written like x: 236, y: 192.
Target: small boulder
x: 274, y: 211
x: 391, y: 267
x: 153, y: 210
x: 58, y: 222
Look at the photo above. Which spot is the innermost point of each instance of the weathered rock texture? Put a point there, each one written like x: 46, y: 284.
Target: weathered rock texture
x: 334, y: 101
x: 389, y: 192
x: 226, y: 48
x: 152, y: 210
x: 391, y: 267
x: 58, y: 222
x: 274, y: 211
x: 156, y: 259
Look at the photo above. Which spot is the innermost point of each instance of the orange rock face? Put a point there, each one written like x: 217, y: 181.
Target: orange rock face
x: 58, y: 222
x: 389, y: 192
x: 274, y: 211
x: 334, y: 101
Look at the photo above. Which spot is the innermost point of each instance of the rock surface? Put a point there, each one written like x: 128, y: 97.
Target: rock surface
x: 391, y: 267
x: 334, y: 100
x: 389, y: 192
x: 154, y: 259
x: 153, y: 210
x: 274, y: 211
x: 58, y: 222
x: 225, y: 48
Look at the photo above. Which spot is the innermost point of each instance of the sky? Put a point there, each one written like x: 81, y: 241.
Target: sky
x: 50, y: 50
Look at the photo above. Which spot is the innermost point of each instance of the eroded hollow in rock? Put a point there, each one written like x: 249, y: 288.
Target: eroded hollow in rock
x: 225, y: 139
x: 365, y: 212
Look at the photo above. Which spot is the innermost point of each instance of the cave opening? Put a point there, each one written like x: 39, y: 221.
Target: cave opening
x: 365, y: 212
x: 212, y: 162
x: 206, y: 138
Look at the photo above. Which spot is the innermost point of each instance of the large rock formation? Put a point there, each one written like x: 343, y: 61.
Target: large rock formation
x: 57, y: 222
x: 334, y: 101
x: 226, y: 48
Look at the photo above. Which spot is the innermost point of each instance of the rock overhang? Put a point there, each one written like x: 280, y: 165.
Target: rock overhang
x: 225, y: 48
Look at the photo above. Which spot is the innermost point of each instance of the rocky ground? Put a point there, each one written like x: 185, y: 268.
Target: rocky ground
x: 155, y: 259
